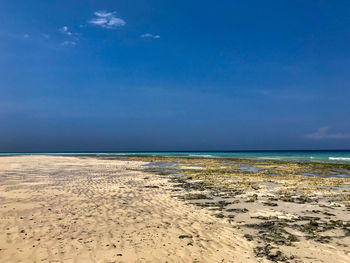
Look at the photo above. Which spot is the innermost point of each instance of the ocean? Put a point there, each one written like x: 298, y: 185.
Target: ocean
x: 334, y: 156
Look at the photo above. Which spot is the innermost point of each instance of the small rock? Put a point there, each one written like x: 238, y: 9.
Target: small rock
x: 248, y: 237
x: 185, y: 236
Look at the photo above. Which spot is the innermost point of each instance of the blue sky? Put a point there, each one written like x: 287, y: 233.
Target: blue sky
x: 174, y: 75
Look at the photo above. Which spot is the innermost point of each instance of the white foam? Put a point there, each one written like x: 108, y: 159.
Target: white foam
x: 201, y: 155
x: 269, y: 158
x: 339, y: 158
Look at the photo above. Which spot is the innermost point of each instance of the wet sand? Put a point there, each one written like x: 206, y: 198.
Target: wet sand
x: 74, y: 209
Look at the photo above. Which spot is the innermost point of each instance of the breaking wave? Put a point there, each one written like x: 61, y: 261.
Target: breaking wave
x: 339, y: 158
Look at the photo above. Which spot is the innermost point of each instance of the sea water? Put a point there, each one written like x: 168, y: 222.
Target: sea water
x: 335, y: 156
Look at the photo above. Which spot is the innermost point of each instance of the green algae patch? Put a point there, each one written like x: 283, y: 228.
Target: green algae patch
x: 277, y: 204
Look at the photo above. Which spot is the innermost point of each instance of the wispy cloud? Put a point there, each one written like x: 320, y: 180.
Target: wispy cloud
x: 325, y: 133
x: 65, y: 30
x: 72, y: 38
x: 69, y: 43
x: 148, y: 35
x: 25, y: 36
x: 107, y: 20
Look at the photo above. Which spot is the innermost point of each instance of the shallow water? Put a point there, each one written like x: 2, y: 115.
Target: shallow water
x: 342, y: 156
x: 249, y: 168
x: 334, y: 175
x: 160, y: 164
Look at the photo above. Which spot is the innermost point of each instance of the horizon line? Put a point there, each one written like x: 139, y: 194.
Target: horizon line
x: 163, y: 151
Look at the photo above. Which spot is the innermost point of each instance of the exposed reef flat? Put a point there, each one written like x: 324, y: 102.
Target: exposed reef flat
x: 292, y: 211
x: 160, y: 209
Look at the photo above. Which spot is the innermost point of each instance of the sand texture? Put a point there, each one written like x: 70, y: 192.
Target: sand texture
x: 74, y: 209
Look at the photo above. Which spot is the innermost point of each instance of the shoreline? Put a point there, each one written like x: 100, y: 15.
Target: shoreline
x: 218, y: 209
x: 333, y: 156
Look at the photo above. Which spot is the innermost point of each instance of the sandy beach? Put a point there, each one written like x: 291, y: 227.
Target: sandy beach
x: 65, y: 209
x: 82, y: 209
x: 174, y: 131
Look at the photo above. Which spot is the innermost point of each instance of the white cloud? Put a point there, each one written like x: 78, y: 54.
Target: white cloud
x: 148, y: 35
x: 69, y: 43
x: 107, y: 20
x: 65, y: 30
x: 325, y: 133
x: 25, y: 36
x: 104, y: 13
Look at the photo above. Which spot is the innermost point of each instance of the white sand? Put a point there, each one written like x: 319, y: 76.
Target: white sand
x: 68, y: 209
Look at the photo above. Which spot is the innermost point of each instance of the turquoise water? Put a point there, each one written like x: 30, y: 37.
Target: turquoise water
x: 314, y: 156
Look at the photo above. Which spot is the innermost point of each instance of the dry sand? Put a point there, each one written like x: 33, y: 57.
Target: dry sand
x: 70, y: 209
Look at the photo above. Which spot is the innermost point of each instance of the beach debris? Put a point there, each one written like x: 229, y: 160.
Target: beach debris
x: 269, y: 204
x: 185, y: 236
x: 248, y: 237
x: 237, y: 210
x: 196, y: 197
x: 252, y: 198
x: 270, y: 253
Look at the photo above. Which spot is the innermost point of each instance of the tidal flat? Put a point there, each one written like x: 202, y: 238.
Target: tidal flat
x: 172, y: 209
x: 292, y: 211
